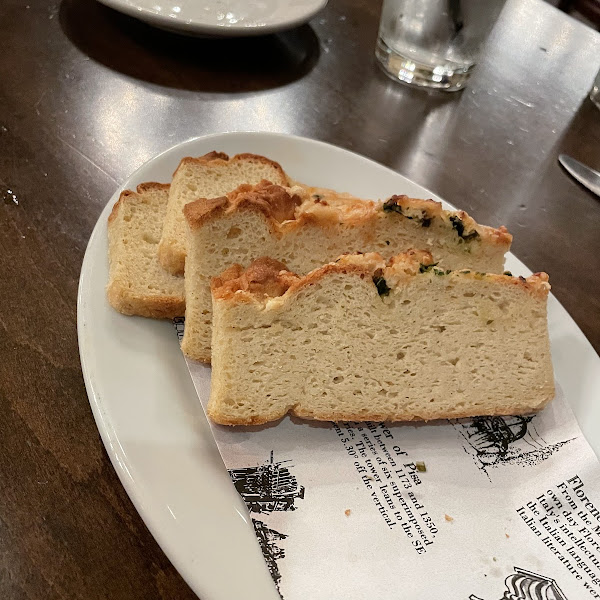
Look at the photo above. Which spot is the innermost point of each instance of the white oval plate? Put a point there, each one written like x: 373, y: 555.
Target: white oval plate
x: 220, y: 17
x: 148, y: 413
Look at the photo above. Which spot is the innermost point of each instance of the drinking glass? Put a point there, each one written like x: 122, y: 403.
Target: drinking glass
x: 434, y: 43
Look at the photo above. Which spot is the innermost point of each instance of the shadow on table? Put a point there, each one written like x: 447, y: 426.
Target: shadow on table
x: 230, y: 65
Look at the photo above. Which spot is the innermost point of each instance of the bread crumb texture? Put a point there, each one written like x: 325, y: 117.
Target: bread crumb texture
x: 338, y: 344
x: 306, y: 227
x: 137, y: 284
x: 208, y: 177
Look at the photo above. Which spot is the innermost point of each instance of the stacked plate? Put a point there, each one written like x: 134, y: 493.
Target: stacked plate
x: 220, y: 17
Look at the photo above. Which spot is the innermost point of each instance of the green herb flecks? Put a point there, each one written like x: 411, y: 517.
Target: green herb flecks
x: 426, y: 268
x: 381, y: 284
x: 420, y: 465
x: 508, y: 273
x: 392, y: 206
x: 458, y: 224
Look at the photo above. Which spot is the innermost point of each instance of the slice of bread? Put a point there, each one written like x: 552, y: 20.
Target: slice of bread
x: 307, y: 227
x: 362, y: 339
x: 209, y: 176
x: 137, y: 284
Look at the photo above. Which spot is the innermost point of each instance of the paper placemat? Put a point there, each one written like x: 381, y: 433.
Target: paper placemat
x: 487, y: 508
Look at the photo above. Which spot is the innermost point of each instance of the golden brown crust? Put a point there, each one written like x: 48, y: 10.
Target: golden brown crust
x: 264, y: 277
x: 277, y: 280
x: 125, y: 194
x: 501, y: 234
x: 197, y: 212
x: 362, y: 271
x: 150, y: 186
x: 269, y: 278
x: 536, y: 284
x: 275, y: 202
x: 119, y: 295
x: 410, y: 261
x: 355, y: 212
x: 507, y: 410
x: 428, y: 210
x: 216, y: 157
x: 161, y: 307
x: 265, y: 161
x: 213, y: 155
x: 432, y: 415
x: 117, y: 207
x: 327, y: 208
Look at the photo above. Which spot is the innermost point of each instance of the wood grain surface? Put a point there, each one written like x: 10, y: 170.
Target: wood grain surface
x: 88, y: 95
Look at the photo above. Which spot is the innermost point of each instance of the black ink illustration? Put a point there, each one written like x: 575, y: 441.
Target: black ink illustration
x: 495, y: 441
x: 526, y: 585
x: 179, y: 324
x: 267, y: 487
x: 268, y: 538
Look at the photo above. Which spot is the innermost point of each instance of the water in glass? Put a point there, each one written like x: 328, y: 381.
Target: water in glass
x: 434, y: 43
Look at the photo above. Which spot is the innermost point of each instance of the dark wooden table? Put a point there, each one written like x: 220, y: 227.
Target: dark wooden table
x: 88, y: 95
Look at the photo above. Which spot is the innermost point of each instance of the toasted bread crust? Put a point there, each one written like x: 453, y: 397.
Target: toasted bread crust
x: 430, y: 209
x: 278, y: 293
x: 119, y: 295
x: 265, y: 276
x: 274, y: 202
x: 499, y: 411
x: 216, y: 157
x: 285, y: 209
x: 236, y: 170
x: 118, y: 204
x: 198, y: 212
x: 276, y: 281
x: 141, y: 188
x: 213, y: 155
x: 127, y: 303
x: 152, y: 185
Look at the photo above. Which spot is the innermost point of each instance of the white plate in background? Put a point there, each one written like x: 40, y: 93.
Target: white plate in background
x: 149, y: 416
x: 221, y: 17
